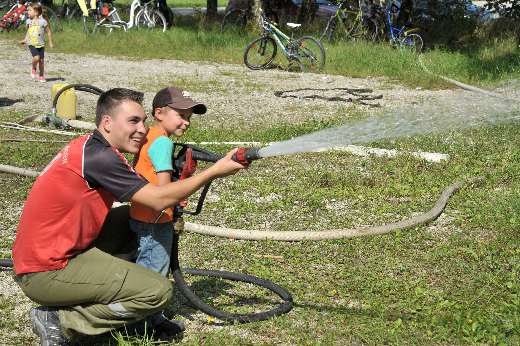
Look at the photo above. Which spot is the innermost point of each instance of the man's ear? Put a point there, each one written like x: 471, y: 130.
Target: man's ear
x: 106, y: 123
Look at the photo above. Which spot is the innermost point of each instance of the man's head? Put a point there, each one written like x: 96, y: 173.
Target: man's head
x: 172, y: 108
x: 120, y: 118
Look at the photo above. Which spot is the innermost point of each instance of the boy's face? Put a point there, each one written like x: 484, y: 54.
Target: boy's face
x: 125, y: 129
x: 174, y: 121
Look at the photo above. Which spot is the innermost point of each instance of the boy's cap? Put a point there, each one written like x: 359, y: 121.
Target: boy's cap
x: 178, y: 99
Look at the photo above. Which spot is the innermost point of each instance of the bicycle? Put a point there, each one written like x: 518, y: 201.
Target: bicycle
x: 306, y: 52
x: 403, y: 36
x: 17, y: 14
x: 350, y: 23
x: 69, y: 10
x: 106, y: 17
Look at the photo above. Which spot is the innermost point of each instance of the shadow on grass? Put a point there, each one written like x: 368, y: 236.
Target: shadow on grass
x: 5, y: 101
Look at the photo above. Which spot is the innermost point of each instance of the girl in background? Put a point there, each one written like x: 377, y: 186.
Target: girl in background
x: 34, y: 38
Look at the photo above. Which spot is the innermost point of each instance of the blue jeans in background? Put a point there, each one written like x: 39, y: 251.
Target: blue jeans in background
x: 154, y: 245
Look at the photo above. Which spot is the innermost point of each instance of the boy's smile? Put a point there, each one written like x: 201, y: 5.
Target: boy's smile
x: 174, y: 121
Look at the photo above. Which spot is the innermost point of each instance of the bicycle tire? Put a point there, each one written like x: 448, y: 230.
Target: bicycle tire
x: 52, y: 18
x: 89, y: 23
x: 412, y: 42
x: 328, y: 32
x: 234, y: 20
x: 310, y: 53
x: 155, y: 20
x: 264, y: 48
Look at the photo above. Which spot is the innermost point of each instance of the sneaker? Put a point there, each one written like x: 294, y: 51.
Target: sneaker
x: 46, y: 324
x: 41, y: 79
x: 33, y: 73
x: 168, y: 329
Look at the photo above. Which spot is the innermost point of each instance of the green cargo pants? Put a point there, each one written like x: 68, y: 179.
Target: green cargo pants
x: 96, y: 291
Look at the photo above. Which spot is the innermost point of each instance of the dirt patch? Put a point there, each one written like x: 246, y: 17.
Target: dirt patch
x: 233, y: 93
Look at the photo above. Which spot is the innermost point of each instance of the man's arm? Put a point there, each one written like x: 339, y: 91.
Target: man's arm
x: 161, y: 197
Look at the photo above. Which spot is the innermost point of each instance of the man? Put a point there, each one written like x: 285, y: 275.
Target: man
x: 83, y: 290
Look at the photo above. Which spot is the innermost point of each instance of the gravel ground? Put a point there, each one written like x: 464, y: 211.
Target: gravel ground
x: 233, y: 94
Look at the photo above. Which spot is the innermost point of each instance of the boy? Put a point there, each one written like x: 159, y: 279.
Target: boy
x: 171, y: 110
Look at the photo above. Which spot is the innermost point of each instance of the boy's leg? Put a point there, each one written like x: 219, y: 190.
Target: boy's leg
x: 97, y: 292
x: 154, y: 245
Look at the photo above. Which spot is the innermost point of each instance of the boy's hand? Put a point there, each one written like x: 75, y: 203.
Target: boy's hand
x: 22, y: 42
x: 51, y: 44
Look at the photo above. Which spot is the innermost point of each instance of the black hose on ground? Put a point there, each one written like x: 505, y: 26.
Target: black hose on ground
x: 286, y: 306
x: 186, y: 291
x: 5, y: 264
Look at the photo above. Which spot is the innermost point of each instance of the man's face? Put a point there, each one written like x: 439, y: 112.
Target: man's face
x: 125, y: 129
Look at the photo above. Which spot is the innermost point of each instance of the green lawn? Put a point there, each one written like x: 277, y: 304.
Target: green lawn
x: 453, y: 282
x: 486, y: 65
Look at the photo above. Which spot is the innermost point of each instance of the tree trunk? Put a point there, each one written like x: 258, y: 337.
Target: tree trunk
x: 306, y: 12
x: 257, y: 7
x: 211, y: 10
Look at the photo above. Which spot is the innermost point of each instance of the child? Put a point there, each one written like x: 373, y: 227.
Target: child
x: 171, y: 109
x: 34, y: 38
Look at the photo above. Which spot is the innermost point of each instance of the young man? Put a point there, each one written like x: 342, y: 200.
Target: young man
x: 83, y: 290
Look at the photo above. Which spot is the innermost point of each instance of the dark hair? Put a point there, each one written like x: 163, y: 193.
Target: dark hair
x: 36, y: 6
x: 112, y: 98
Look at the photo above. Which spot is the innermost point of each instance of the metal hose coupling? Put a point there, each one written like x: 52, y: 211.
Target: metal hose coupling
x: 245, y: 156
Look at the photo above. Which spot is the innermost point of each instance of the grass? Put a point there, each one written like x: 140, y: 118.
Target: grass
x: 486, y: 65
x: 454, y: 282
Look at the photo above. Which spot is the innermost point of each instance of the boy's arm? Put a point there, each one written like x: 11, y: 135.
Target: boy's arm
x: 161, y: 197
x: 164, y: 178
x: 49, y: 35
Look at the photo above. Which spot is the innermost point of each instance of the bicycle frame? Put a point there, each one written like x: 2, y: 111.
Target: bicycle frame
x: 281, y: 39
x: 395, y: 33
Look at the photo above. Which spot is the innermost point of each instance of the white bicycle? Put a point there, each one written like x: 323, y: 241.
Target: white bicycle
x: 106, y: 17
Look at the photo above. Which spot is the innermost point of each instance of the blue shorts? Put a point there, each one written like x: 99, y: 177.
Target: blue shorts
x: 155, y: 245
x: 37, y: 51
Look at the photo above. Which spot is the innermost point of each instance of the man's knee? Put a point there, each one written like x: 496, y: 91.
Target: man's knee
x: 163, y: 294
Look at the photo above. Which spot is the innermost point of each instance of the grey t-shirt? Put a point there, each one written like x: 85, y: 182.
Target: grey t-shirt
x: 35, y: 32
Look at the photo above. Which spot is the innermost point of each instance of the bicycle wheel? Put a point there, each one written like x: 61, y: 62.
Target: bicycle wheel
x: 89, y: 23
x: 259, y: 54
x: 412, y: 42
x: 328, y: 32
x: 151, y: 19
x: 52, y: 18
x: 310, y: 53
x: 234, y: 20
x: 370, y: 29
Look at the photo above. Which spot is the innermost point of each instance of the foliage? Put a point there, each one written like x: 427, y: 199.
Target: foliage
x: 506, y: 8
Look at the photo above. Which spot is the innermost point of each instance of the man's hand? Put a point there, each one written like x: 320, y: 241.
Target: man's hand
x: 22, y: 42
x: 226, y: 165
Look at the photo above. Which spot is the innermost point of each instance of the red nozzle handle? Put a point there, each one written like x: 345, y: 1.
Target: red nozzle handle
x: 245, y: 156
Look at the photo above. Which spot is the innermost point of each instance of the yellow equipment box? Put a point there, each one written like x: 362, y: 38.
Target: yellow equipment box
x: 66, y: 106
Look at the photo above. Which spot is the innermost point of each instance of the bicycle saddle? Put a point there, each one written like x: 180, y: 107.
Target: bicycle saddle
x: 293, y: 25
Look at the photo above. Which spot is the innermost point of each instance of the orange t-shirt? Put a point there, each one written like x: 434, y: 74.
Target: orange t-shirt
x: 144, y: 166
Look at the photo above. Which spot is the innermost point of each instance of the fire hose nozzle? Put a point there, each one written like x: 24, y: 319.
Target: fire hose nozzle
x: 245, y: 156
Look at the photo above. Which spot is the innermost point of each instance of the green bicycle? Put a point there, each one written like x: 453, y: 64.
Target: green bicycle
x: 349, y: 23
x: 305, y: 53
